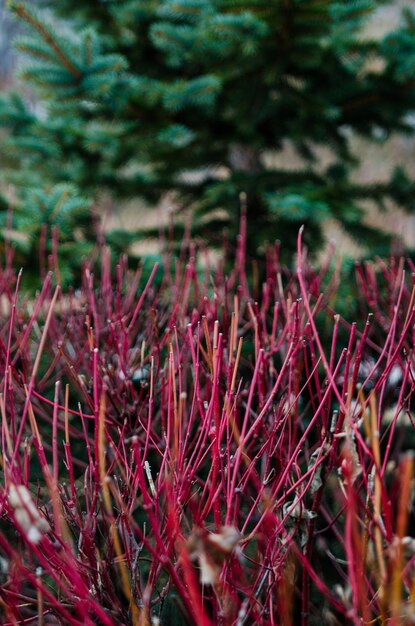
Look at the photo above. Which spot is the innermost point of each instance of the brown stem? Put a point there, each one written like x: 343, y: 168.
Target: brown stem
x: 22, y: 12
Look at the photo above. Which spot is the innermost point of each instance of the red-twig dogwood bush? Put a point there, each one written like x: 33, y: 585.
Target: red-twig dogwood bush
x: 200, y: 448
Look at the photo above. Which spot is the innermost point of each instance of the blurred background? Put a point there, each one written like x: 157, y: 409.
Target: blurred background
x: 378, y: 159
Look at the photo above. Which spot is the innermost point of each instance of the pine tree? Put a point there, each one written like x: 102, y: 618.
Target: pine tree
x: 198, y: 97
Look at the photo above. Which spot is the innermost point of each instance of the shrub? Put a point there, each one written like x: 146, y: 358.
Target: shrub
x: 184, y: 453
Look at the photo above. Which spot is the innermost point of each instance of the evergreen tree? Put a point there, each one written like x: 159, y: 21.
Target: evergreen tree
x: 140, y: 97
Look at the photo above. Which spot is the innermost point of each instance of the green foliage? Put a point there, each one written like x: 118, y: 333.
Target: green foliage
x: 45, y: 218
x: 141, y: 97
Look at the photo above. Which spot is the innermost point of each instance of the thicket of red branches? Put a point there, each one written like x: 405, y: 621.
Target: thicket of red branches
x: 208, y: 446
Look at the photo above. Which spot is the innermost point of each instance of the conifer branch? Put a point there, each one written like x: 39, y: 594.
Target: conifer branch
x: 24, y: 14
